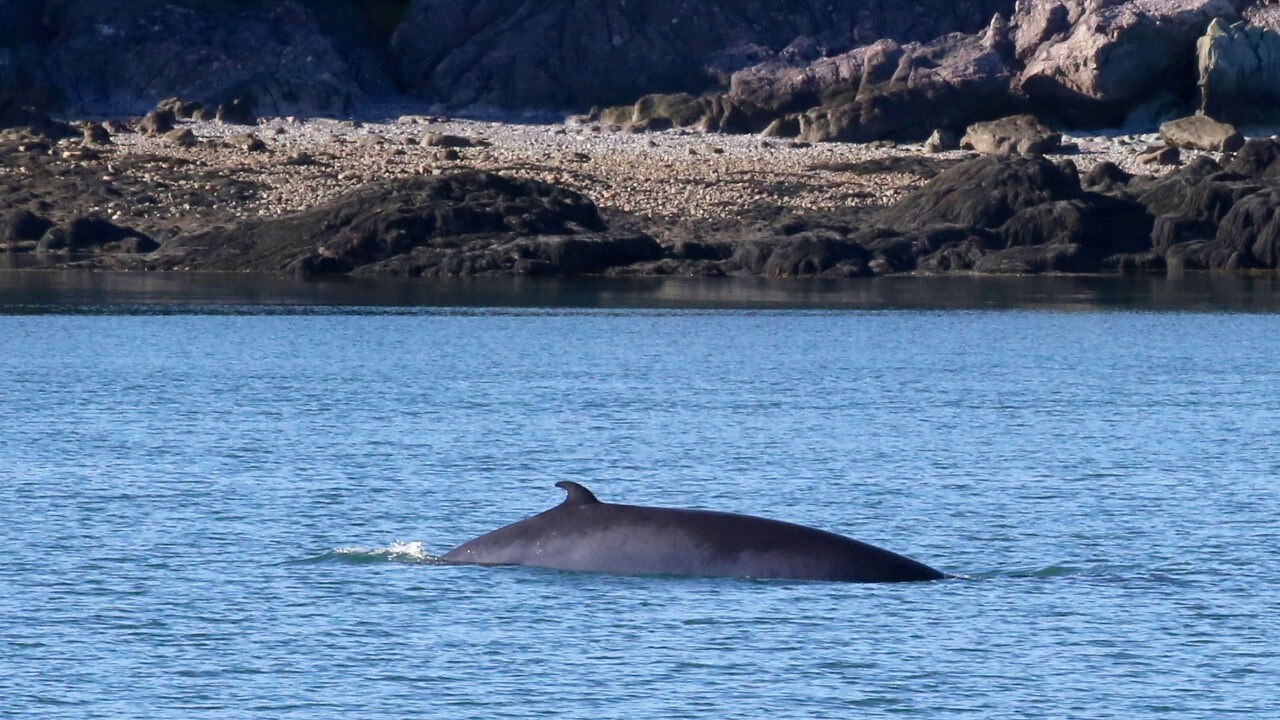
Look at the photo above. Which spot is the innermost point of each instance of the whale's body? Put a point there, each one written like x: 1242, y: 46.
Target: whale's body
x: 584, y: 534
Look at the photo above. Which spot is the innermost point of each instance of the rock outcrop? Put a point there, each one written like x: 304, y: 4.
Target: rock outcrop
x: 1092, y: 61
x: 281, y: 56
x: 567, y: 53
x: 906, y: 91
x: 882, y: 90
x: 1239, y: 72
x: 470, y: 223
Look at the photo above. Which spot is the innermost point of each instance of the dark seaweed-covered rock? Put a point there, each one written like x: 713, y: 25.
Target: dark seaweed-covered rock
x: 983, y: 192
x: 1249, y: 234
x: 806, y: 254
x: 94, y: 234
x: 934, y: 249
x: 20, y: 229
x: 1106, y: 176
x: 1256, y: 157
x: 1097, y: 224
x: 468, y: 223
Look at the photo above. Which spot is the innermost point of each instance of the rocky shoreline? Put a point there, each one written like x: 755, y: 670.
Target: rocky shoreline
x: 422, y: 195
x: 840, y: 138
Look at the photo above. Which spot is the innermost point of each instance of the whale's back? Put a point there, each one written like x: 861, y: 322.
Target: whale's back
x: 632, y: 540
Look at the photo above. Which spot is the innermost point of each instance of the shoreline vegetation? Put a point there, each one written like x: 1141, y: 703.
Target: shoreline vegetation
x: 793, y: 144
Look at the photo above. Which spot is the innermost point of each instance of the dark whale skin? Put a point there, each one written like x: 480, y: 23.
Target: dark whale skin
x: 584, y: 534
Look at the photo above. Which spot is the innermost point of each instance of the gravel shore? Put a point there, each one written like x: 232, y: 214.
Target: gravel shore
x: 663, y: 179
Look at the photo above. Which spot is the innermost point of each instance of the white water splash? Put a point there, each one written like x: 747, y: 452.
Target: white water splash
x: 397, y: 551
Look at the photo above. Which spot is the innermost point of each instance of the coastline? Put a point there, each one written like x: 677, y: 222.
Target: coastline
x: 204, y: 194
x: 663, y: 177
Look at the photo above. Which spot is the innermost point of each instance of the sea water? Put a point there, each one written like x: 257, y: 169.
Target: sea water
x: 220, y: 504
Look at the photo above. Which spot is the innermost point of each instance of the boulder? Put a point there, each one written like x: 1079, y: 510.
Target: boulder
x: 1238, y: 66
x: 1017, y: 133
x: 1092, y: 60
x: 1198, y: 132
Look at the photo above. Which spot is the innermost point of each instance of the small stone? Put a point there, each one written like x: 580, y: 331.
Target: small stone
x: 942, y: 140
x: 182, y: 137
x: 300, y: 158
x: 96, y: 134
x: 236, y: 112
x: 156, y: 122
x: 249, y: 142
x: 1159, y: 155
x: 181, y: 109
x: 432, y: 138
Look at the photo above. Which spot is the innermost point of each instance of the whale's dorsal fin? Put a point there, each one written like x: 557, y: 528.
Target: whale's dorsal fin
x: 575, y: 494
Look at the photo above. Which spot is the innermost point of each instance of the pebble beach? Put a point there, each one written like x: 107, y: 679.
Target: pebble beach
x: 664, y: 177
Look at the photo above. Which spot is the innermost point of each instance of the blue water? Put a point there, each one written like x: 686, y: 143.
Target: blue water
x: 229, y: 511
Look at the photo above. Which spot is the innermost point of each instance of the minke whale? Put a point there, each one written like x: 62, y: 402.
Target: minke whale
x: 584, y: 534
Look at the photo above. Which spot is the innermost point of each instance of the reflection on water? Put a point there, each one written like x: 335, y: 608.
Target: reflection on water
x: 45, y: 291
